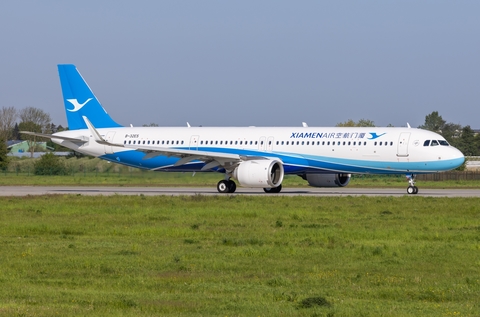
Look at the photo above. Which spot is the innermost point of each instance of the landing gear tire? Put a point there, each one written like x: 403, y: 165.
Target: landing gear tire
x: 232, y: 187
x: 225, y: 187
x: 274, y: 190
x: 412, y: 190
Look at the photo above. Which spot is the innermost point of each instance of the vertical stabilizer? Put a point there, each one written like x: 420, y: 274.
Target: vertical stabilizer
x: 80, y: 101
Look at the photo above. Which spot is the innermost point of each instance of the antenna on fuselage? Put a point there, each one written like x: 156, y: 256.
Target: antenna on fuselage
x: 304, y: 124
x: 188, y: 124
x: 408, y: 125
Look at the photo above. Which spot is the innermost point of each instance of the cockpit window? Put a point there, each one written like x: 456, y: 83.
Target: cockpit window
x: 443, y: 142
x: 434, y: 143
x: 426, y: 143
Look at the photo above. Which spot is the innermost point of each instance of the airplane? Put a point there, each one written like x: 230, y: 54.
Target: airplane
x: 256, y: 157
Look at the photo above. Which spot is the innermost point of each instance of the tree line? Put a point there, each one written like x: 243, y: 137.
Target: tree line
x: 12, y: 121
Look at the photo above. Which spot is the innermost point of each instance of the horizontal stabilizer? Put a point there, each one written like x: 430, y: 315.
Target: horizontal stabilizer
x: 53, y: 136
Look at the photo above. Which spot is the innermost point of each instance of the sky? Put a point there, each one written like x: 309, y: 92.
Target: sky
x: 244, y: 63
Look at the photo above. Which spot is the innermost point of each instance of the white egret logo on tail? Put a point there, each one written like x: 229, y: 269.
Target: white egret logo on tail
x: 76, y: 105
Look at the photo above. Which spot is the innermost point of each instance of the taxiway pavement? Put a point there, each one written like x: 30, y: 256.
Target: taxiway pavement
x: 176, y: 191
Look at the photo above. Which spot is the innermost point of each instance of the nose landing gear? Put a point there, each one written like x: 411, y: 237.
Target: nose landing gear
x: 411, y: 189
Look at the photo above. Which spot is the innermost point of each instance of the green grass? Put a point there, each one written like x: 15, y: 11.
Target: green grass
x: 239, y: 256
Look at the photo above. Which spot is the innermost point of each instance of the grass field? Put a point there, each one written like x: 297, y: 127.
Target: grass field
x: 239, y: 256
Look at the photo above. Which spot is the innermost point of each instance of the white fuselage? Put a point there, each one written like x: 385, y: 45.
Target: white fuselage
x: 301, y: 149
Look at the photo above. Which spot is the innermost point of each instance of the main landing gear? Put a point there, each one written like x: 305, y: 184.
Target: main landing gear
x: 226, y: 186
x: 411, y: 189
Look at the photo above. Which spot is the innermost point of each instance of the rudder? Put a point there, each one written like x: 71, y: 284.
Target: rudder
x: 80, y: 101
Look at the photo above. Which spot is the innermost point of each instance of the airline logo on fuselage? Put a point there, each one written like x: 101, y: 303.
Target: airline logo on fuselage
x: 76, y: 105
x: 330, y: 135
x: 333, y: 135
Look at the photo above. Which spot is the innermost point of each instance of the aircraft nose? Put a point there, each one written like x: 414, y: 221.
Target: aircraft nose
x: 457, y: 157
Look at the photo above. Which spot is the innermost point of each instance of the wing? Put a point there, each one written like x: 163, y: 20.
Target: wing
x: 211, y: 159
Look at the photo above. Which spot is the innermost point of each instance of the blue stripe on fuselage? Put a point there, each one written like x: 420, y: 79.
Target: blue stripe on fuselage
x: 293, y: 163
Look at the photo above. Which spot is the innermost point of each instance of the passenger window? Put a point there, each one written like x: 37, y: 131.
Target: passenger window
x: 287, y: 142
x: 333, y: 143
x: 426, y: 143
x: 375, y: 143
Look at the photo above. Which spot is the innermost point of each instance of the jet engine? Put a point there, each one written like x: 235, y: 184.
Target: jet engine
x: 259, y: 173
x: 327, y: 180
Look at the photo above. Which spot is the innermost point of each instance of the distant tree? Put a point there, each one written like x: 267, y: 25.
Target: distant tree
x: 451, y: 132
x: 61, y: 128
x: 8, y: 117
x: 3, y: 154
x: 365, y: 123
x: 49, y: 164
x: 150, y: 125
x: 360, y: 123
x: 433, y: 122
x: 16, y: 132
x: 33, y: 120
x: 348, y: 123
x: 467, y: 142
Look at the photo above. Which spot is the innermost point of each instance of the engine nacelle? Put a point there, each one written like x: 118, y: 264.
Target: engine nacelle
x: 259, y: 173
x: 328, y: 180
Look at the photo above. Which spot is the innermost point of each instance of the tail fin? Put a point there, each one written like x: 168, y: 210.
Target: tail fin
x: 80, y: 101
